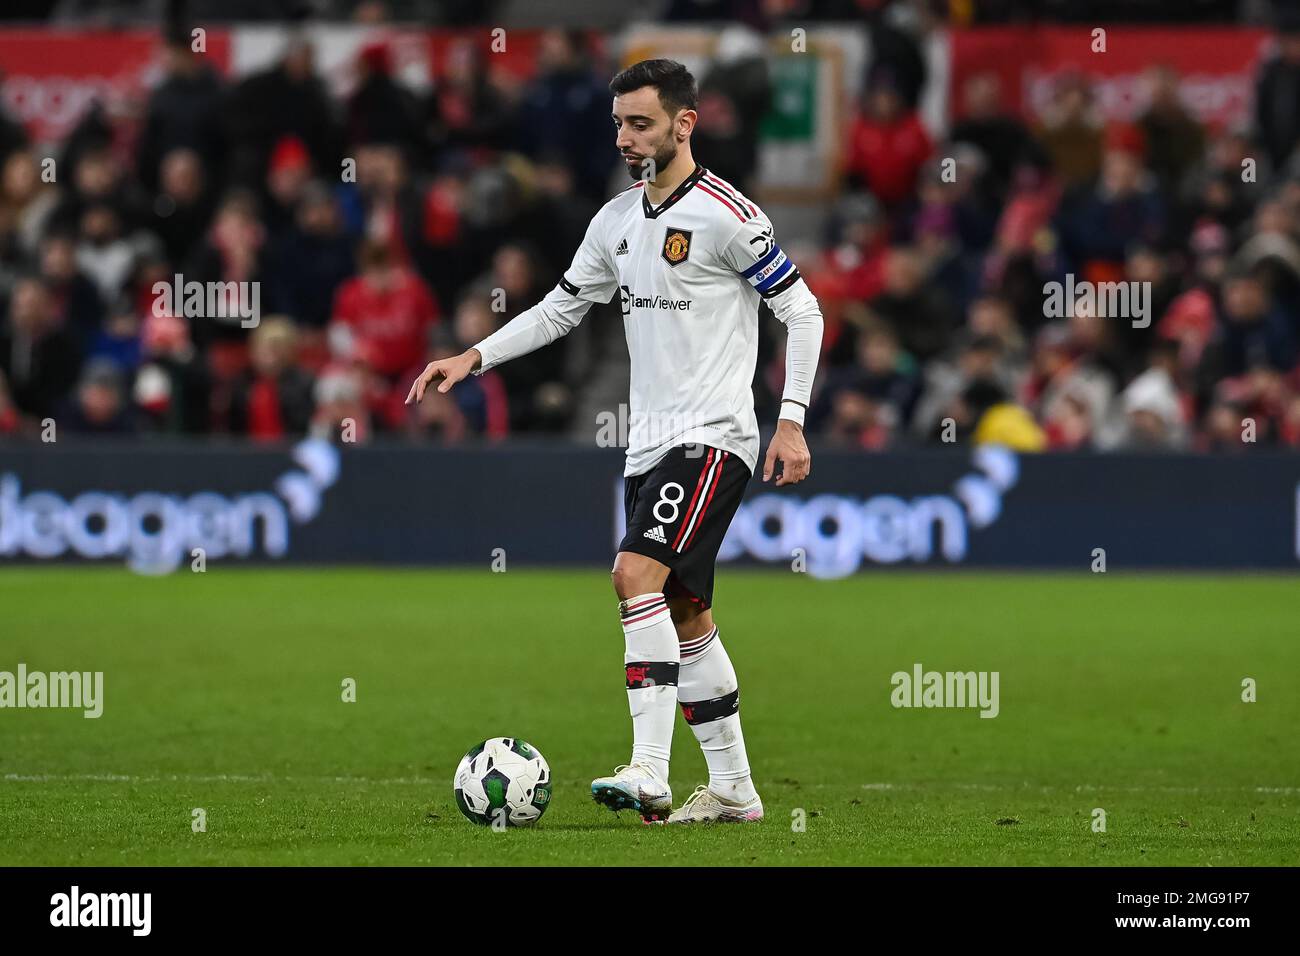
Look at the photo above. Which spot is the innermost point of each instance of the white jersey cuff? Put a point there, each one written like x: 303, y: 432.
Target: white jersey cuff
x: 792, y: 411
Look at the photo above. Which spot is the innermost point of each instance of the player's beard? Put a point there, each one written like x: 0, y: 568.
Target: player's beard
x: 664, y: 154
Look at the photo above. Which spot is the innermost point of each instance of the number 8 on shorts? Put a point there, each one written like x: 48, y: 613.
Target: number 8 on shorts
x: 672, y: 502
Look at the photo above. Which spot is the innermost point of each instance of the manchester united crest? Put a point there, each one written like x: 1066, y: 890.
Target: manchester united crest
x: 677, y: 246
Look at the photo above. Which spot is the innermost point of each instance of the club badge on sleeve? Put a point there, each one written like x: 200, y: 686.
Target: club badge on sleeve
x: 677, y: 245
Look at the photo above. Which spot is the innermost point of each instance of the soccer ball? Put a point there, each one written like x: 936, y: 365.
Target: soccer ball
x: 503, y: 781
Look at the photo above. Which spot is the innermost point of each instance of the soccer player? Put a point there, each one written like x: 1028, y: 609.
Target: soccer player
x: 690, y: 257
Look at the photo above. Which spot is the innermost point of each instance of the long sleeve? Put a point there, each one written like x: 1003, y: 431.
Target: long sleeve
x: 752, y: 251
x: 798, y: 310
x: 557, y: 314
x: 590, y: 278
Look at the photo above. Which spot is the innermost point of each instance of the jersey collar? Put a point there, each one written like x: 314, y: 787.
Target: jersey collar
x: 652, y: 212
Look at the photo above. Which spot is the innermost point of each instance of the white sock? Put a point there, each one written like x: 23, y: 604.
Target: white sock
x: 651, y: 662
x: 710, y: 700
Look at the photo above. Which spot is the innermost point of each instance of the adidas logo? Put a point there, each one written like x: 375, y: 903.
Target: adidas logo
x: 657, y: 534
x: 622, y: 251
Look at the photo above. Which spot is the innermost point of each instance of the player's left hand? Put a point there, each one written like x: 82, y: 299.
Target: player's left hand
x: 789, y: 448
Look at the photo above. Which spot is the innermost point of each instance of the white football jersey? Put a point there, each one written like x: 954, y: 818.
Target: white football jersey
x: 689, y: 273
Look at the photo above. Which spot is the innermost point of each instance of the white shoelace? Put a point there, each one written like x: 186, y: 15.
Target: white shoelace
x: 700, y: 791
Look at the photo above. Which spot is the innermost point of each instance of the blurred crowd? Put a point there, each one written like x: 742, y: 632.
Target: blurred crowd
x: 382, y: 231
x: 935, y: 290
x: 469, y: 199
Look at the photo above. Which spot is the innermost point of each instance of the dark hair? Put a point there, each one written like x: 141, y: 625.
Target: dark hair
x: 982, y: 394
x: 674, y: 82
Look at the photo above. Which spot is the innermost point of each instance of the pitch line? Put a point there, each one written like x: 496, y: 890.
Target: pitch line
x: 431, y: 781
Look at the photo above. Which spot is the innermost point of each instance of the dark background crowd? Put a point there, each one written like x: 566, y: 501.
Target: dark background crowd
x: 469, y: 199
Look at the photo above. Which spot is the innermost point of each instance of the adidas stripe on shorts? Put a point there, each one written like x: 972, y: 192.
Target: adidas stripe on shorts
x: 678, y: 513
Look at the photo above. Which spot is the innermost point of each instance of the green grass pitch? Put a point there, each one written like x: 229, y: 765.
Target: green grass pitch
x: 223, y: 692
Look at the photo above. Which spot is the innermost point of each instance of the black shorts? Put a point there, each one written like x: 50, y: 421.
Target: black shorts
x: 679, y: 511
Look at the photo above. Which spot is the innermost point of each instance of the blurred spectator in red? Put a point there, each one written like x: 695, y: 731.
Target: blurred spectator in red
x: 1190, y: 322
x: 1023, y: 239
x: 442, y: 233
x: 287, y: 173
x: 273, y: 397
x: 887, y: 144
x: 382, y: 317
x: 852, y: 267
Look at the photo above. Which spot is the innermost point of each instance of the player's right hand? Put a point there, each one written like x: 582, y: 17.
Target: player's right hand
x: 452, y: 371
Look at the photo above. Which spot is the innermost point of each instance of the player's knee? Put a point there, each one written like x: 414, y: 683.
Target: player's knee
x: 631, y: 577
x: 628, y: 583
